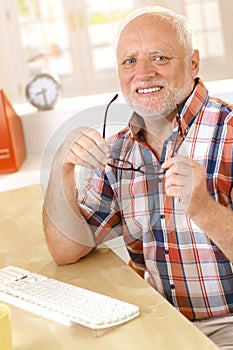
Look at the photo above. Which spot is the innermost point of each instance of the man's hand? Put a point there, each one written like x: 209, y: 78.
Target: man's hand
x: 186, y: 180
x: 84, y: 147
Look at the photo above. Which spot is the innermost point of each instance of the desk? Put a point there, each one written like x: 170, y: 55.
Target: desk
x: 159, y: 326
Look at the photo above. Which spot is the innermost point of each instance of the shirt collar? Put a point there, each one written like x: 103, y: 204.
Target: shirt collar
x: 193, y: 105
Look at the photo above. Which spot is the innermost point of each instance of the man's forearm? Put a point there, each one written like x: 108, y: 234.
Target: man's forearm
x: 217, y: 222
x: 63, y: 250
x: 67, y: 233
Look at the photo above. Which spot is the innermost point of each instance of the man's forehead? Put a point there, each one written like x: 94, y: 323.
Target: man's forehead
x: 149, y: 20
x: 151, y: 51
x: 151, y: 41
x: 147, y: 27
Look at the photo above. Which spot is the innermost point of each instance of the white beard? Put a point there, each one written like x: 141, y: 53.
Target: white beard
x: 161, y: 107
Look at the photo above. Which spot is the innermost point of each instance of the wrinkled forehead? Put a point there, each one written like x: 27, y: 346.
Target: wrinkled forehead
x: 140, y: 20
x: 156, y: 15
x: 147, y: 27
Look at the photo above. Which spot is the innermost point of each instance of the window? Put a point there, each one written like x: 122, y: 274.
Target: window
x: 205, y: 19
x: 75, y: 40
x: 44, y: 36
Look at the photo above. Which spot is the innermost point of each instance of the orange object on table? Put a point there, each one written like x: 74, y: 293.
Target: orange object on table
x: 12, y: 142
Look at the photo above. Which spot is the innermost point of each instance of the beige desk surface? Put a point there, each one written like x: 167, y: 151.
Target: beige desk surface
x: 159, y: 327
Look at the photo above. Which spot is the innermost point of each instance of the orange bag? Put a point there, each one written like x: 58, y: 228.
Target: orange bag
x: 12, y: 143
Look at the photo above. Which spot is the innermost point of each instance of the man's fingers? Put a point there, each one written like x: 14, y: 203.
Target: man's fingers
x: 179, y: 162
x: 87, y: 148
x: 178, y: 175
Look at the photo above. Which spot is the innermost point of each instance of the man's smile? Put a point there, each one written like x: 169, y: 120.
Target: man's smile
x: 149, y: 90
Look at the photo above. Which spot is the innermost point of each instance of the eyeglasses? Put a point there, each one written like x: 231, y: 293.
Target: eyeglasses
x: 149, y: 169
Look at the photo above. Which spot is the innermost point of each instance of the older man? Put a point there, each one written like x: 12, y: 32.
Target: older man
x: 164, y: 182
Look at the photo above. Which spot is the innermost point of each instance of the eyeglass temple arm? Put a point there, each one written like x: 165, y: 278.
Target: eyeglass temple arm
x: 179, y: 130
x: 106, y: 113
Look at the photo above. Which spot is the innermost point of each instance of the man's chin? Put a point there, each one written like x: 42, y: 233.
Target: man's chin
x: 151, y: 112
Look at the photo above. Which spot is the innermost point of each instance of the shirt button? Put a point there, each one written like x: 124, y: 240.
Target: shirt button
x: 172, y: 286
x: 166, y: 251
x: 162, y: 216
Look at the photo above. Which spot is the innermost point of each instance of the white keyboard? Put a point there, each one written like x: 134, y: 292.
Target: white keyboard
x: 62, y: 302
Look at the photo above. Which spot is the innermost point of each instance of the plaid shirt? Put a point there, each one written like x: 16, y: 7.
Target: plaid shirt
x: 183, y: 264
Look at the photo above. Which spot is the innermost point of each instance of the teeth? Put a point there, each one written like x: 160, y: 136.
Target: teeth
x: 146, y: 91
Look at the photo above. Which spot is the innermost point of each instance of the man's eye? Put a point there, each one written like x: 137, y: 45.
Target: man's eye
x: 129, y: 62
x: 161, y: 59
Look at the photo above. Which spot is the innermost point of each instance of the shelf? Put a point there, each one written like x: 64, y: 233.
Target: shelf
x: 28, y: 174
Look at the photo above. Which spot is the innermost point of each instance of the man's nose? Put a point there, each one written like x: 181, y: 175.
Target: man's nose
x: 145, y: 68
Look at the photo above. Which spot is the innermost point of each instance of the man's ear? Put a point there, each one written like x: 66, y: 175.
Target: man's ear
x: 195, y: 63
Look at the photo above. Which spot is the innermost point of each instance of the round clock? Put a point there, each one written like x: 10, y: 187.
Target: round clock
x: 43, y: 91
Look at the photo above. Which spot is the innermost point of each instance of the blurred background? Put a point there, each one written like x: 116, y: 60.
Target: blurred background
x: 75, y: 40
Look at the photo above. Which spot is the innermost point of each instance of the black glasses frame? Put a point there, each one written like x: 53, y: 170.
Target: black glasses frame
x: 149, y: 169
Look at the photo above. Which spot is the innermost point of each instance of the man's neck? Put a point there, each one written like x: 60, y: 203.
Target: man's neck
x: 156, y: 132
